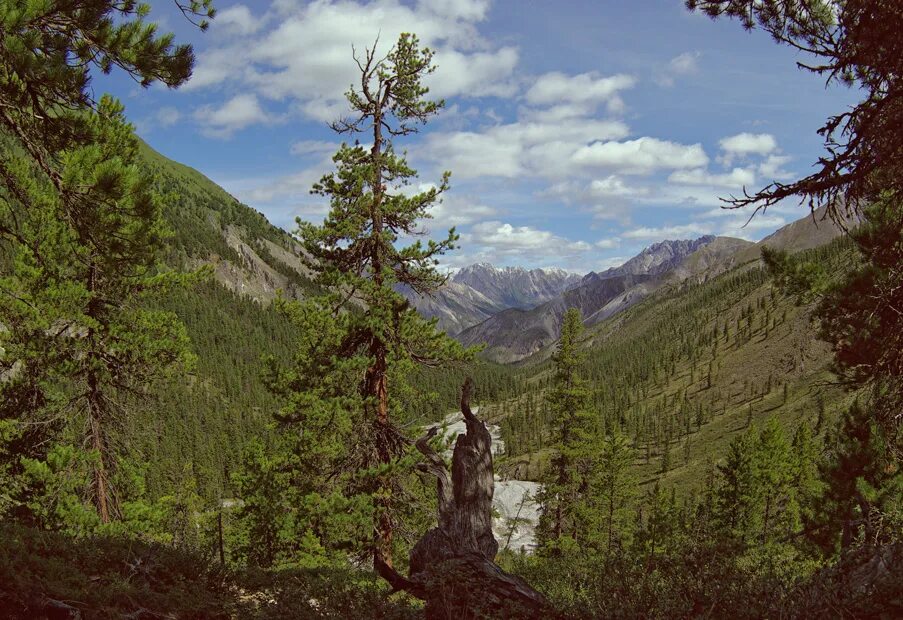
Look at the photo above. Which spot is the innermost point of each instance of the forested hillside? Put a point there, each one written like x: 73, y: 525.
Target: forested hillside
x: 687, y: 370
x: 204, y: 416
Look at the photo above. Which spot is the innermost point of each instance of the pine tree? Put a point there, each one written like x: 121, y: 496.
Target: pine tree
x: 773, y: 474
x: 862, y: 482
x: 567, y: 401
x: 615, y: 487
x: 736, y: 493
x: 79, y: 336
x: 47, y: 53
x: 660, y: 523
x: 362, y: 339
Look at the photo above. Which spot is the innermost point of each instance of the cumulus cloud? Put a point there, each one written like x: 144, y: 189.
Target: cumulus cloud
x: 167, y: 116
x: 738, y: 177
x: 237, y: 113
x: 507, y: 238
x: 745, y: 144
x: 514, y: 149
x: 684, y: 64
x: 772, y: 168
x: 641, y: 156
x: 581, y: 92
x: 306, y: 57
x: 608, y: 244
x: 613, y: 185
x: 456, y: 211
x: 684, y: 231
x: 236, y: 20
x: 607, y: 198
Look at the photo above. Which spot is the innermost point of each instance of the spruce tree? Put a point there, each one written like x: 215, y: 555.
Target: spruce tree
x: 572, y: 466
x: 614, y: 488
x: 361, y: 340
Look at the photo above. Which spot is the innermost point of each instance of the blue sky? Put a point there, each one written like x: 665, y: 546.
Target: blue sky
x: 577, y: 132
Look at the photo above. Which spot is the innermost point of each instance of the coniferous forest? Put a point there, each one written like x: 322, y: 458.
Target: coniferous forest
x: 205, y: 415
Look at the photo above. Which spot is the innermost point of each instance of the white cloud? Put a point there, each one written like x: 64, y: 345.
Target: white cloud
x: 641, y: 156
x: 306, y: 58
x: 515, y: 149
x: 167, y: 116
x: 585, y: 91
x: 236, y: 20
x: 215, y: 67
x: 738, y: 177
x: 740, y: 225
x: 744, y: 144
x: 455, y: 211
x: 612, y: 185
x: 684, y: 64
x: 506, y: 239
x: 477, y: 74
x: 683, y: 231
x: 608, y: 244
x: 772, y: 169
x: 237, y: 113
x: 468, y: 10
x: 607, y: 198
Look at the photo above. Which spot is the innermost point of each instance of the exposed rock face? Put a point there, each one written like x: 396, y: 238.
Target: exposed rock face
x: 477, y: 292
x: 456, y: 305
x: 515, y: 334
x: 515, y: 287
x: 658, y: 258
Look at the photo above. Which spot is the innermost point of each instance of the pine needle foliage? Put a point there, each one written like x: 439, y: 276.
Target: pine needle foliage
x: 360, y: 342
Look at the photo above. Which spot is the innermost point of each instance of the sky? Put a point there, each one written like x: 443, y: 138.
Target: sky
x: 577, y: 132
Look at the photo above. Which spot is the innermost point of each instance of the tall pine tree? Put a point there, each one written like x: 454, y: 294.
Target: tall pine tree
x: 350, y: 380
x: 80, y: 343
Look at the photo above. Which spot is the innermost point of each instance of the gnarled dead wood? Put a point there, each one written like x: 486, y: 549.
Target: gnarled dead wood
x: 452, y: 567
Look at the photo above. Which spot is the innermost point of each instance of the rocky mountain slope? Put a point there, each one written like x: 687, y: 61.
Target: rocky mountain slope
x: 657, y: 258
x: 688, y: 369
x: 515, y: 334
x: 479, y: 291
x: 249, y: 256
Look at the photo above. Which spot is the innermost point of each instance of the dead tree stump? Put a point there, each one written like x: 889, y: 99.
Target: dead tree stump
x: 452, y: 567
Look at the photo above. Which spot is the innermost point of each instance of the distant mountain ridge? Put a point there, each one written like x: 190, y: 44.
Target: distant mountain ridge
x: 476, y: 292
x: 515, y: 334
x: 658, y: 257
x: 516, y: 287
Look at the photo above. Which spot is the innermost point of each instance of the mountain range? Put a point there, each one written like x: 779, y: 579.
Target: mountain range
x: 231, y: 322
x: 516, y: 312
x: 479, y: 291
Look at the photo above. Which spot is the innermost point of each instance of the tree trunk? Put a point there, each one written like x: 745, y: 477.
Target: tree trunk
x: 95, y: 408
x: 452, y: 566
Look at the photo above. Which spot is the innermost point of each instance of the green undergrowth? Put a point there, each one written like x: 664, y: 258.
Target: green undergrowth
x: 49, y: 575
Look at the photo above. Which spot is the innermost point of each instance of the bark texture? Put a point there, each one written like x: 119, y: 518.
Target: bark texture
x: 452, y: 566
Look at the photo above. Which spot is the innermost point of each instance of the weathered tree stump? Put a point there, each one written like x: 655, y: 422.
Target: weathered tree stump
x: 452, y: 567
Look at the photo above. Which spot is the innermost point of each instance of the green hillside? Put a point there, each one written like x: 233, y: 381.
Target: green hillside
x: 195, y: 427
x: 686, y: 371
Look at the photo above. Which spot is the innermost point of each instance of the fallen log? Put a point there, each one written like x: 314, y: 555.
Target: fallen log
x: 452, y: 567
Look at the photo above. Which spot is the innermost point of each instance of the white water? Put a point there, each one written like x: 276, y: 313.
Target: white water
x: 512, y: 500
